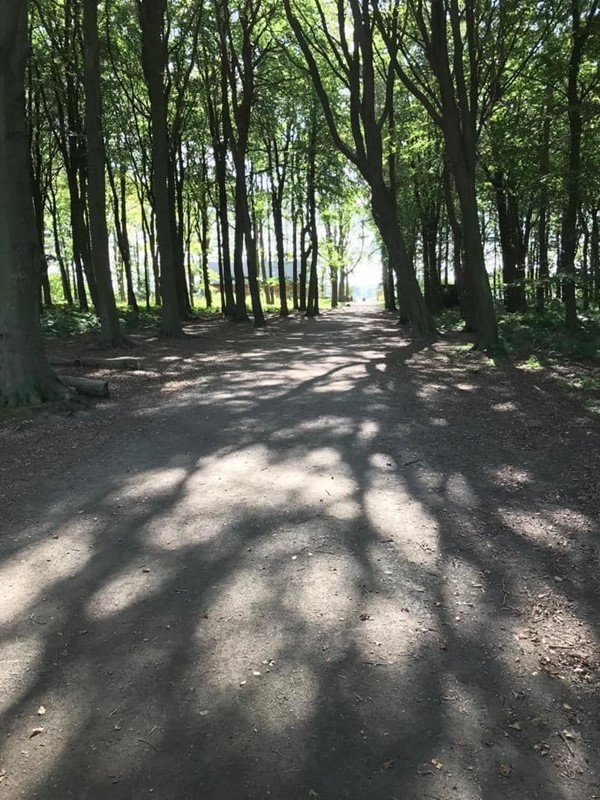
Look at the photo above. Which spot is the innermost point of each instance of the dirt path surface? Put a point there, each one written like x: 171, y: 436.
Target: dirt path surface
x: 312, y: 562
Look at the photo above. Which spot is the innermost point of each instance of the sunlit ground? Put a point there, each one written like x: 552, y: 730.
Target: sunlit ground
x: 335, y: 566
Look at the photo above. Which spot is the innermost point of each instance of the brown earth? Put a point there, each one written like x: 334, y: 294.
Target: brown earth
x: 316, y: 561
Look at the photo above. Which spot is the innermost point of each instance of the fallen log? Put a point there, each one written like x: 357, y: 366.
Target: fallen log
x: 86, y: 386
x: 59, y: 361
x: 118, y: 362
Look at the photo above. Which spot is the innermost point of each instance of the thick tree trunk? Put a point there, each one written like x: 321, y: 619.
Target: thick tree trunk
x: 513, y: 276
x: 251, y: 257
x: 412, y: 301
x: 151, y: 14
x: 25, y: 376
x: 241, y: 313
x: 476, y: 282
x: 457, y: 256
x: 458, y: 121
x: 176, y: 214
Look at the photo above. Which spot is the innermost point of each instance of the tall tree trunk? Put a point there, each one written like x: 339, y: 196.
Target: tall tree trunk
x: 119, y: 202
x: 543, y: 278
x: 204, y: 238
x: 476, y: 282
x: 151, y: 14
x: 251, y: 254
x: 241, y: 313
x: 25, y: 377
x: 459, y: 127
x: 569, y: 236
x: 411, y: 299
x: 312, y: 302
x: 223, y: 215
x: 595, y: 256
x: 510, y: 234
x: 106, y: 309
x: 585, y: 267
x: 280, y: 248
x: 38, y: 211
x: 176, y: 210
x: 58, y: 250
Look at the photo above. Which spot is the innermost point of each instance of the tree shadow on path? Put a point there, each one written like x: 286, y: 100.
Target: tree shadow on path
x: 338, y: 565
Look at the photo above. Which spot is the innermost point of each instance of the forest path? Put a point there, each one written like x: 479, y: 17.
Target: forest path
x: 313, y: 562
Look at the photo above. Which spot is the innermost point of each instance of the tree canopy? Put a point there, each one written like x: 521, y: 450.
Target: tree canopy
x: 221, y: 153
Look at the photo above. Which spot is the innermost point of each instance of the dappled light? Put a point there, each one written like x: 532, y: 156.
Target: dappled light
x: 315, y: 572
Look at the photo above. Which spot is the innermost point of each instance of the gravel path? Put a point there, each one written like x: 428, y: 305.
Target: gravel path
x: 313, y: 562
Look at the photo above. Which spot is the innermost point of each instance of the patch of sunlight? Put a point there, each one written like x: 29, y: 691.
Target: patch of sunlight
x: 531, y: 365
x: 343, y: 509
x: 394, y: 626
x: 367, y: 430
x: 250, y: 627
x: 389, y: 509
x: 460, y: 348
x: 381, y: 461
x: 323, y: 458
x: 427, y: 392
x: 244, y: 462
x: 130, y: 587
x: 149, y: 484
x: 342, y: 426
x: 465, y: 387
x: 321, y: 595
x: 245, y: 596
x: 458, y: 491
x: 45, y: 754
x: 334, y: 386
x: 464, y: 589
x: 547, y: 529
x: 29, y: 576
x: 187, y: 529
x: 20, y: 658
x: 511, y: 476
x: 505, y: 407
